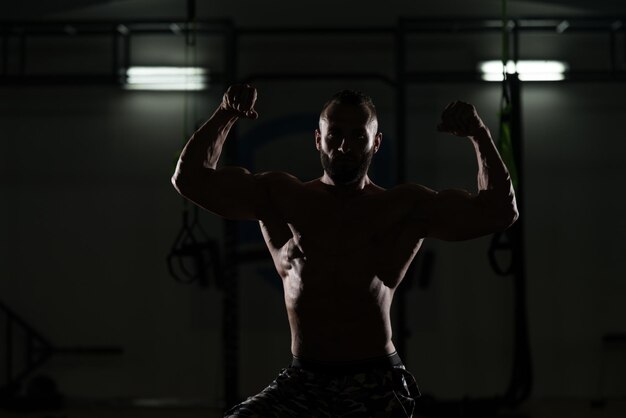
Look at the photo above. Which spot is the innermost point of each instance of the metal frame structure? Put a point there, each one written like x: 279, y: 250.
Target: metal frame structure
x: 121, y: 32
x: 38, y: 350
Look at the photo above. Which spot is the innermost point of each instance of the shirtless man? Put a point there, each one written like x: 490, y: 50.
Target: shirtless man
x: 341, y: 245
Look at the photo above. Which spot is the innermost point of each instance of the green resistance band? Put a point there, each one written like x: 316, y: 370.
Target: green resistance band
x: 505, y: 142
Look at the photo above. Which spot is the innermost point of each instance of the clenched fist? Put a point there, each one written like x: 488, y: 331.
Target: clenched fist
x: 460, y: 119
x: 240, y: 99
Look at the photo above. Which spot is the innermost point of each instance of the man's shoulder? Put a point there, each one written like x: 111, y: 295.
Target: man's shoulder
x: 283, y: 190
x: 279, y: 179
x: 276, y: 176
x: 412, y: 191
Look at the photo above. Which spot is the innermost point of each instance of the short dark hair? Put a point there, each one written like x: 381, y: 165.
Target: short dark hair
x: 352, y: 97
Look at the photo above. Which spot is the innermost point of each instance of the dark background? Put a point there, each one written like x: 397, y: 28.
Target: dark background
x: 88, y: 214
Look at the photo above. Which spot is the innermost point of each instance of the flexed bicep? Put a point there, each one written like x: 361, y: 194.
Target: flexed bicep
x: 457, y: 215
x: 454, y: 214
x: 235, y: 193
x: 230, y: 192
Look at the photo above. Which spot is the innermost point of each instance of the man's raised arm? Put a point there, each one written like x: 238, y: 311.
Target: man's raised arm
x: 231, y: 192
x: 455, y: 215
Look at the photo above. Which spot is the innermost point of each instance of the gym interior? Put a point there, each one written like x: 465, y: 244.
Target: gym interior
x: 119, y: 298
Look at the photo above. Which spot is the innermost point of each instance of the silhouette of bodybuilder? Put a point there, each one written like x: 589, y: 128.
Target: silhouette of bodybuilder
x: 341, y: 245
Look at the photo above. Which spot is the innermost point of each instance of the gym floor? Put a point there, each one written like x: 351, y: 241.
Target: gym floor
x: 548, y: 408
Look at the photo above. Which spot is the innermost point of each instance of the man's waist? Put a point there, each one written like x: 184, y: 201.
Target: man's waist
x: 347, y: 367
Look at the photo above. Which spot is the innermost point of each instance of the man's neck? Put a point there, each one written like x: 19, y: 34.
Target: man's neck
x: 354, y: 187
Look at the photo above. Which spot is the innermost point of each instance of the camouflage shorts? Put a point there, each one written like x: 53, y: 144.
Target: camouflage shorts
x: 298, y: 392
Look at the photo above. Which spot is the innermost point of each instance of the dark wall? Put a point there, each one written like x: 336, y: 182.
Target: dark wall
x: 89, y: 215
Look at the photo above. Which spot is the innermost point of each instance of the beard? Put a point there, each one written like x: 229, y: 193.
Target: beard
x: 346, y: 170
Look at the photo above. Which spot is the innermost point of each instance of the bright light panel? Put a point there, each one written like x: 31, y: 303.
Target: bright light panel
x: 527, y: 70
x: 167, y: 78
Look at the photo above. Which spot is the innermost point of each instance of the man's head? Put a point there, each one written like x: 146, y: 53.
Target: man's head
x: 347, y: 137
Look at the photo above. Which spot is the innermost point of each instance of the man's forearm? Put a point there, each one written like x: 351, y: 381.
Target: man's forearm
x: 494, y: 182
x: 204, y: 148
x: 495, y: 203
x: 492, y: 173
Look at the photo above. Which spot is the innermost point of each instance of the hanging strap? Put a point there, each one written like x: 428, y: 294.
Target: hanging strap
x: 500, y: 251
x: 194, y: 254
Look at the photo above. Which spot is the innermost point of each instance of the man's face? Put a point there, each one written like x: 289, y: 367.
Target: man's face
x: 347, y: 140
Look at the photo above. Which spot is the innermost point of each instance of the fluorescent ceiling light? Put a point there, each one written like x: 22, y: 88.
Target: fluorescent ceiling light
x: 166, y: 78
x: 526, y: 70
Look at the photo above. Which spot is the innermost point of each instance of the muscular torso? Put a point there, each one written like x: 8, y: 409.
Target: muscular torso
x: 341, y: 257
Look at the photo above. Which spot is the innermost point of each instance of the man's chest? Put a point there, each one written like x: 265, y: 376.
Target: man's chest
x: 319, y: 235
x: 338, y: 226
